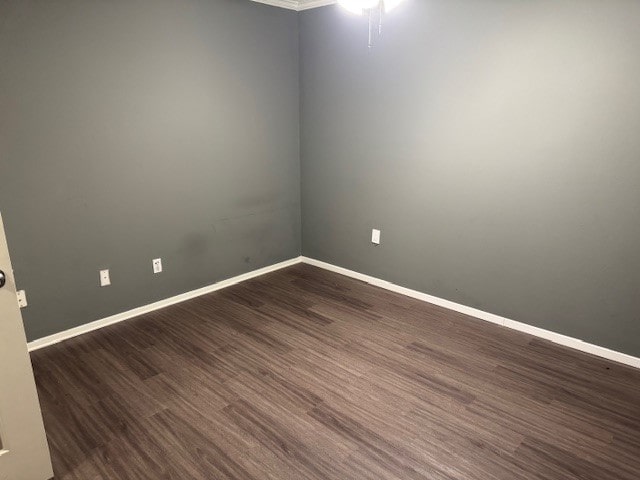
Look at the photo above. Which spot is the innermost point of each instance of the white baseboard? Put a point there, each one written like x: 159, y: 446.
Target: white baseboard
x: 120, y: 317
x: 489, y: 317
x: 473, y: 312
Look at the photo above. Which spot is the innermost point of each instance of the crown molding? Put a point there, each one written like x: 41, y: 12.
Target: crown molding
x: 297, y: 5
x: 308, y: 4
x: 288, y: 4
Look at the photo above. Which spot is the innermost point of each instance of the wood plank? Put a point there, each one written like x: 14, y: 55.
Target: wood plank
x: 306, y: 374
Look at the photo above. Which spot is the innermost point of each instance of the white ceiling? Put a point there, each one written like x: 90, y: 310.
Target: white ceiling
x: 297, y: 5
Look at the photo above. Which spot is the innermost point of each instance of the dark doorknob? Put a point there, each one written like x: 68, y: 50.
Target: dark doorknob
x: 3, y: 279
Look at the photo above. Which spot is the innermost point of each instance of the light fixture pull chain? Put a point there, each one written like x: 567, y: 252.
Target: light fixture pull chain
x: 370, y: 29
x: 373, y: 31
x: 375, y: 10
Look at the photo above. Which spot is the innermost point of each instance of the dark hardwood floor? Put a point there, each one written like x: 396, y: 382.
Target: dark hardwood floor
x: 305, y: 374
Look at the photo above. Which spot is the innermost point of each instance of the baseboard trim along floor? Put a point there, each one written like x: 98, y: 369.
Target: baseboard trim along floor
x: 473, y: 312
x: 489, y: 317
x: 120, y: 317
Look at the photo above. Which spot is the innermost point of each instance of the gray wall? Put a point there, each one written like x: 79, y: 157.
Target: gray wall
x: 131, y: 130
x: 496, y: 144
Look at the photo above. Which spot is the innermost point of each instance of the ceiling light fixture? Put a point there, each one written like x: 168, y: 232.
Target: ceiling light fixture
x: 375, y: 9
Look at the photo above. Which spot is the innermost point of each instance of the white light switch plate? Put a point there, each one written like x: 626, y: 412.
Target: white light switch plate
x: 375, y: 236
x: 105, y: 278
x: 22, y: 298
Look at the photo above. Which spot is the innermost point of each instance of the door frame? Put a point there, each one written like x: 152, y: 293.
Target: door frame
x: 25, y: 452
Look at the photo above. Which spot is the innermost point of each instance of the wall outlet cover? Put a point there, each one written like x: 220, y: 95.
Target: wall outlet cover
x: 375, y: 236
x: 157, y: 265
x: 105, y: 278
x: 22, y: 298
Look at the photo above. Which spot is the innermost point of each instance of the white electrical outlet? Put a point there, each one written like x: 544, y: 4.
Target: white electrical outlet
x: 22, y: 298
x: 375, y: 236
x: 157, y: 265
x: 105, y: 278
